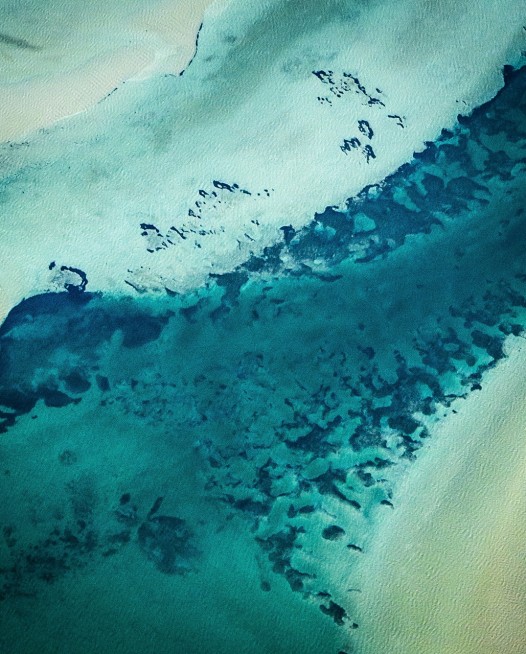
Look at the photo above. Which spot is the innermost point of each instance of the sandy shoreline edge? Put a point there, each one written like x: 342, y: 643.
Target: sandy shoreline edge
x: 445, y: 573
x: 162, y: 40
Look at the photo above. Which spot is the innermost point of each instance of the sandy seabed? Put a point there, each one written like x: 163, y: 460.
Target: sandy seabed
x: 249, y: 111
x: 447, y: 571
x: 47, y: 78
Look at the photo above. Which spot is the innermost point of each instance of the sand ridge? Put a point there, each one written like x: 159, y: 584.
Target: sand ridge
x: 446, y: 573
x: 159, y: 38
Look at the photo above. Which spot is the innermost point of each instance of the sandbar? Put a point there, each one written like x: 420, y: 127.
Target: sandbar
x: 447, y: 571
x: 42, y: 84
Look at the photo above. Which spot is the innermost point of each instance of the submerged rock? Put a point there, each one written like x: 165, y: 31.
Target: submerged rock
x: 166, y: 540
x: 334, y: 532
x: 336, y: 612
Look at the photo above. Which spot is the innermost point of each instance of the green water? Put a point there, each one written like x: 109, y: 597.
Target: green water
x: 113, y: 598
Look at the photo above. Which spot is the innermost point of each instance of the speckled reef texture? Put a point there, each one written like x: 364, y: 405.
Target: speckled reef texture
x: 202, y: 472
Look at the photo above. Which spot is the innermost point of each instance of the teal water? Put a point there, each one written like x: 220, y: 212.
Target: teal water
x: 271, y: 102
x: 200, y: 472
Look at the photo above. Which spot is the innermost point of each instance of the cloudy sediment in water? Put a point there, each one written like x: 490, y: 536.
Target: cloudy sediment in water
x: 256, y: 284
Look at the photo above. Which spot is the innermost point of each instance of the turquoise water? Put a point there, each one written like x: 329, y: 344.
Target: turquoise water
x: 200, y: 472
x: 271, y: 102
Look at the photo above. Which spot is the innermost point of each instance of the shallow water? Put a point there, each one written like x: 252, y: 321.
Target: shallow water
x: 214, y: 465
x: 447, y: 573
x: 272, y: 103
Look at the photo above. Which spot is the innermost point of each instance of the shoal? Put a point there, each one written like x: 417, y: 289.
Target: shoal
x: 160, y: 38
x: 447, y: 571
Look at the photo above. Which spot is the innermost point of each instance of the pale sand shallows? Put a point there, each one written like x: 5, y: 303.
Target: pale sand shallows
x: 447, y: 571
x: 249, y: 111
x: 31, y: 105
x: 40, y: 86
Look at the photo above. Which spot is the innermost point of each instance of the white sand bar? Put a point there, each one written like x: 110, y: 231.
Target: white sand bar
x: 446, y: 573
x: 58, y: 59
